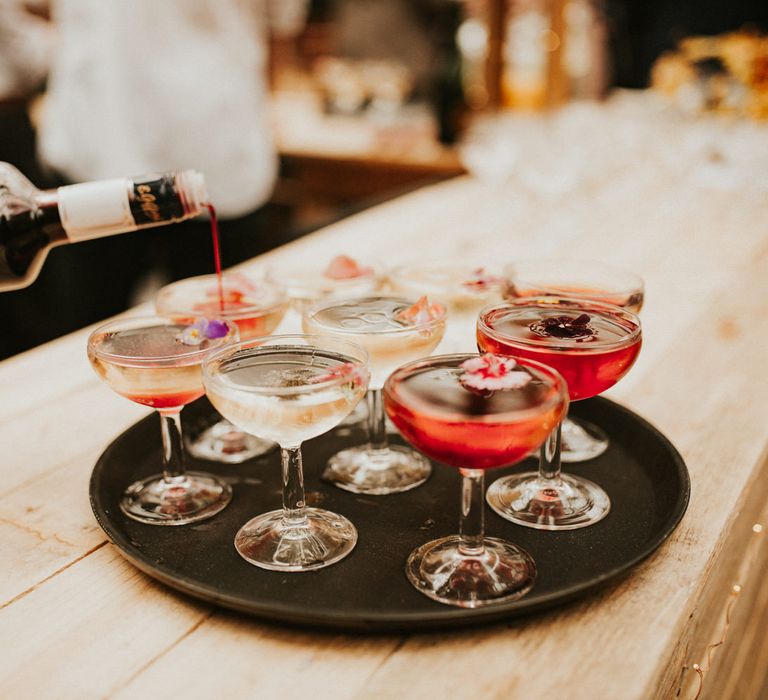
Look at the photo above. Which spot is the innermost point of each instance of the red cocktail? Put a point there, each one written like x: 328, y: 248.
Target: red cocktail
x: 474, y: 413
x: 592, y: 345
x: 592, y: 357
x: 580, y: 279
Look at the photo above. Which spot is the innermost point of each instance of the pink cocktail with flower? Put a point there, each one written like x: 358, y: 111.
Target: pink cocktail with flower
x: 156, y: 362
x: 474, y: 413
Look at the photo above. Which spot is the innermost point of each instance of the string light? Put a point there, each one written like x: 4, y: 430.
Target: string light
x: 736, y: 589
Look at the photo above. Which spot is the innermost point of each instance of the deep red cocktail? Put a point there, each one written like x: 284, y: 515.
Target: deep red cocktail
x: 592, y: 356
x: 592, y: 345
x: 580, y: 279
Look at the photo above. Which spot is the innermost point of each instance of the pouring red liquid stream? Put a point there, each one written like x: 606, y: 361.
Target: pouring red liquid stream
x: 216, y: 253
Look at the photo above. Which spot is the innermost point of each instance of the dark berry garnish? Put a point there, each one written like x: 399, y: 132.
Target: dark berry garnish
x: 564, y: 327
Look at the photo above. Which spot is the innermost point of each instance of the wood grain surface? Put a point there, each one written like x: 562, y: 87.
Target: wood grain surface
x: 77, y: 621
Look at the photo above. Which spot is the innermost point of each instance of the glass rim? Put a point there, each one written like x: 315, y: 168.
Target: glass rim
x: 215, y: 377
x: 559, y: 395
x: 194, y: 356
x: 399, y: 276
x: 309, y: 312
x: 308, y: 283
x: 637, y: 284
x: 243, y: 312
x: 574, y: 303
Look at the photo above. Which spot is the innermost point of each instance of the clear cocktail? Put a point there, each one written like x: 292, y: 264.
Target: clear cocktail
x: 340, y: 278
x: 393, y: 331
x: 462, y: 289
x: 289, y: 389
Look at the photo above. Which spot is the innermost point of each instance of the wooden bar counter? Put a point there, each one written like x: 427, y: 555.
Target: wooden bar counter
x: 78, y: 621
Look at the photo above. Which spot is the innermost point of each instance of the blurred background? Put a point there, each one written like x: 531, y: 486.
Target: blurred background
x: 338, y: 104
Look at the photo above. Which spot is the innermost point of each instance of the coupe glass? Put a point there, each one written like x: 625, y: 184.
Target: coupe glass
x: 581, y: 279
x: 592, y: 345
x: 473, y: 428
x: 378, y: 468
x: 257, y: 307
x: 289, y: 388
x: 156, y: 362
x: 339, y: 278
x: 463, y: 289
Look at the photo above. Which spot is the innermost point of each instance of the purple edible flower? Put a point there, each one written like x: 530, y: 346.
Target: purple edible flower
x: 216, y: 329
x: 201, y: 330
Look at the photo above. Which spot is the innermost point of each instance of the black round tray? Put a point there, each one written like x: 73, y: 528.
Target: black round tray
x: 642, y: 472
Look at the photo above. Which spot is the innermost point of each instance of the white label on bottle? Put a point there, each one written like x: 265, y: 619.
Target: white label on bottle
x: 94, y: 209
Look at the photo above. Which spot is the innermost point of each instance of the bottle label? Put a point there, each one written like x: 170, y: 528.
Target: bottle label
x: 155, y: 200
x: 105, y: 207
x: 94, y: 209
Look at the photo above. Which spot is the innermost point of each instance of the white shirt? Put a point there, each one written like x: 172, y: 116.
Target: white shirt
x: 141, y: 86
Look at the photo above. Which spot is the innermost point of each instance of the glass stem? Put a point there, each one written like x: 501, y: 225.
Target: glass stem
x: 472, y: 523
x: 293, y: 486
x: 173, y: 447
x: 549, y: 456
x: 377, y: 423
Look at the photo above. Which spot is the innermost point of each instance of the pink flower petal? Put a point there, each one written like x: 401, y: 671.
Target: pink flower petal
x: 343, y: 267
x: 421, y: 312
x: 491, y: 372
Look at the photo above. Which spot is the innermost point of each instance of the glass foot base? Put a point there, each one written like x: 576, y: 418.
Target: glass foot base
x: 223, y: 442
x: 567, y: 503
x: 271, y: 542
x: 581, y: 441
x: 501, y: 573
x: 187, y: 499
x: 377, y: 472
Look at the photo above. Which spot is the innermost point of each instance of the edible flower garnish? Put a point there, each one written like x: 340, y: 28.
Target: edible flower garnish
x: 342, y: 267
x: 564, y: 327
x: 202, y: 329
x: 346, y: 370
x: 491, y: 372
x: 421, y: 312
x: 480, y: 280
